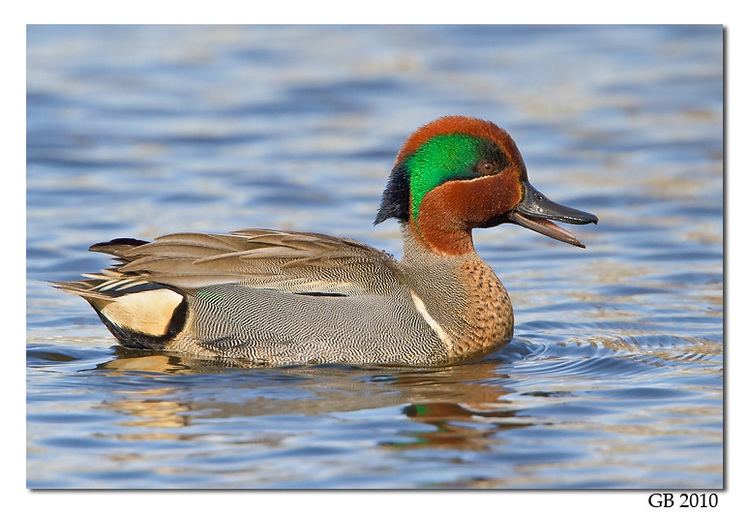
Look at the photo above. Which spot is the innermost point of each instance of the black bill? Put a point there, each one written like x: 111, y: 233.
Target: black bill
x: 536, y: 212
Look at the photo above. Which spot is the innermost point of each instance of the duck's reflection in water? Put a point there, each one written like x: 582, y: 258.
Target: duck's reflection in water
x: 452, y: 431
x: 464, y: 405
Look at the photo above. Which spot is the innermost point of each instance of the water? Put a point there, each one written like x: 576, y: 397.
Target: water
x: 614, y: 377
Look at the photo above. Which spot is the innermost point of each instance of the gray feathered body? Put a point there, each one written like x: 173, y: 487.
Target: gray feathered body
x: 284, y: 298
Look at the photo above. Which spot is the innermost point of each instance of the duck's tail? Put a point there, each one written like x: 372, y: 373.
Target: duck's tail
x: 139, y: 313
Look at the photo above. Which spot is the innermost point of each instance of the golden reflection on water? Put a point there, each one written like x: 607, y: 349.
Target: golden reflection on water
x: 422, y: 394
x: 152, y: 413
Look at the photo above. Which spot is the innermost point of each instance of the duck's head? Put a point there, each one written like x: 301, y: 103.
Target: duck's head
x: 458, y: 173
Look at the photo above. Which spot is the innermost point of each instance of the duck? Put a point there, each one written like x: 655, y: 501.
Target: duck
x: 280, y: 298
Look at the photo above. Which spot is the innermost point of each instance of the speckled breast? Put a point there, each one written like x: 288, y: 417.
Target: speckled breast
x: 488, y: 317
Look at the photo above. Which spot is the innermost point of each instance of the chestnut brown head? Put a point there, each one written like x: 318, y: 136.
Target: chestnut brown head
x: 467, y: 173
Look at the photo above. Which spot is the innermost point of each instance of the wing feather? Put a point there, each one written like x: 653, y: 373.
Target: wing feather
x: 270, y: 259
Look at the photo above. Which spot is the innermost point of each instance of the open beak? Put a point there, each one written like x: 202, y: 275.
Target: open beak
x: 536, y: 212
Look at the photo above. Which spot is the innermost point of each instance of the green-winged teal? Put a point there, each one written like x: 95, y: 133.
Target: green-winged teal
x: 281, y: 298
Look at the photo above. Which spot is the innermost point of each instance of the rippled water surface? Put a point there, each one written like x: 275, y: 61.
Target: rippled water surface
x: 614, y: 377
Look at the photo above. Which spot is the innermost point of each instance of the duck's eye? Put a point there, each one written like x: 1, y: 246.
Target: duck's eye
x: 487, y: 167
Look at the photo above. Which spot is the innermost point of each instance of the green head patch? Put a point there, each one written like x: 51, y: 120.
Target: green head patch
x: 442, y: 158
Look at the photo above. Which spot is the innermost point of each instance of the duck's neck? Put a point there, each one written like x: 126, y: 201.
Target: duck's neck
x: 439, y: 234
x: 420, y: 248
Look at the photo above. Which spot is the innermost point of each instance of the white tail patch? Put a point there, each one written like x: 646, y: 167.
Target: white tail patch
x: 148, y: 312
x: 438, y: 329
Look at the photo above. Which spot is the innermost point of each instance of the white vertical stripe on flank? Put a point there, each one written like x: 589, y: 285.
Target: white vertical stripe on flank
x: 439, y: 331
